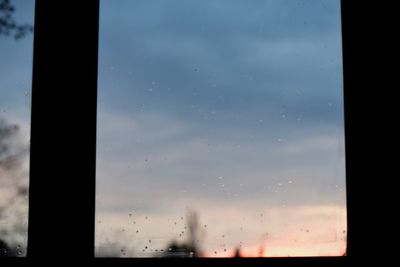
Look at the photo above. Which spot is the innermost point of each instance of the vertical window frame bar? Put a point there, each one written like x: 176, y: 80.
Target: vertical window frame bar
x: 63, y: 130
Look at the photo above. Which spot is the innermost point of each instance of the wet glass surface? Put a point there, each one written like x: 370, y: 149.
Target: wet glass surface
x: 16, y: 50
x: 220, y: 129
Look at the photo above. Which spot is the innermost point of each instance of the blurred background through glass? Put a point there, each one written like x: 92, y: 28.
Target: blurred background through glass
x: 220, y: 129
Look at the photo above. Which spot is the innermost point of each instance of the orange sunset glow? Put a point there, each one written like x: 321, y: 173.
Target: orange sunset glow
x: 222, y: 235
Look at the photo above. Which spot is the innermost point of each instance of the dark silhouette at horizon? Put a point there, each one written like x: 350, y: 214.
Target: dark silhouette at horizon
x: 190, y: 247
x: 5, y: 250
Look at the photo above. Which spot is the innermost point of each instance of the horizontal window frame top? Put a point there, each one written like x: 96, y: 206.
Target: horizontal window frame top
x: 63, y: 143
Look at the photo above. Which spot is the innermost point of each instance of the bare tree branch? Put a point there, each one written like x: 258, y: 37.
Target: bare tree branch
x: 8, y: 25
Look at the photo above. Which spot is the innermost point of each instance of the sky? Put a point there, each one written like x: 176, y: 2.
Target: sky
x: 230, y: 109
x: 15, y: 104
x: 16, y: 68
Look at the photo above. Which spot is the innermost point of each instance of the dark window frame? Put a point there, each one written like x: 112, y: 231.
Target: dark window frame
x: 63, y: 142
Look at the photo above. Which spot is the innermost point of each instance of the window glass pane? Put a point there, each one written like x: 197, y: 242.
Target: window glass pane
x: 220, y: 129
x: 16, y: 44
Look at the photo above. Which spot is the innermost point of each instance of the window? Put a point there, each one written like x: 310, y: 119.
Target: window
x: 220, y: 129
x: 63, y: 138
x: 16, y: 42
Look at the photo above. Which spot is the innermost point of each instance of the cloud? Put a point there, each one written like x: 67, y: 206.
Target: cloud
x: 15, y: 88
x: 293, y: 230
x: 226, y: 107
x: 315, y: 144
x: 241, y: 58
x: 153, y: 157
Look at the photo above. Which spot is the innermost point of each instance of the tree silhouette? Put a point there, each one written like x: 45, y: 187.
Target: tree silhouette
x: 11, y: 153
x: 188, y: 249
x: 8, y: 25
x: 5, y: 250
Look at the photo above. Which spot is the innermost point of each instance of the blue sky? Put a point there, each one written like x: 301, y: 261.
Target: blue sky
x: 234, y: 105
x: 16, y: 67
x: 15, y: 104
